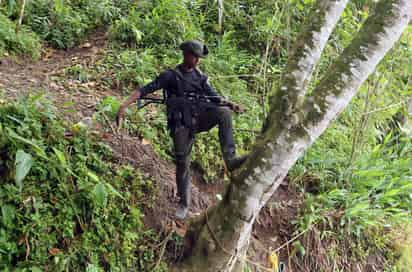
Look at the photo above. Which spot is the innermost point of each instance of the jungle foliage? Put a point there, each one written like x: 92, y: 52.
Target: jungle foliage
x: 64, y: 204
x: 356, y: 178
x: 22, y: 43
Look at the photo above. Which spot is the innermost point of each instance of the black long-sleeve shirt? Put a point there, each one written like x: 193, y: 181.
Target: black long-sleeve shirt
x: 194, y: 82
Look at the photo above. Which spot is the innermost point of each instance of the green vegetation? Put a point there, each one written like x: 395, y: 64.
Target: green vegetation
x: 167, y: 23
x: 22, y: 43
x: 64, y: 204
x: 356, y: 178
x: 65, y: 23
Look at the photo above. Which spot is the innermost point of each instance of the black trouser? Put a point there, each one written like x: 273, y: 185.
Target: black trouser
x: 183, y: 139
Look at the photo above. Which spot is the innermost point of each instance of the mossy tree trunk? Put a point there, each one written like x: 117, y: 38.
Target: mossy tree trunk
x: 220, y: 237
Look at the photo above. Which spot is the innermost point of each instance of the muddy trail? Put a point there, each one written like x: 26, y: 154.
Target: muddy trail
x: 19, y: 77
x: 78, y: 100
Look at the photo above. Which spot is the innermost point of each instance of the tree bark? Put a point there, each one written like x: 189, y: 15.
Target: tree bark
x: 220, y: 237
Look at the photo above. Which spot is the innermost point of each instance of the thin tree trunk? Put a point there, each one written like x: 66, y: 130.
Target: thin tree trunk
x: 303, y: 59
x: 23, y: 5
x: 309, y: 47
x: 220, y: 16
x: 410, y: 107
x: 357, y: 62
x: 220, y: 238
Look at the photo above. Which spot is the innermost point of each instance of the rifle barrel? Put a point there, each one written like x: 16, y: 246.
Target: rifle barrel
x: 198, y: 97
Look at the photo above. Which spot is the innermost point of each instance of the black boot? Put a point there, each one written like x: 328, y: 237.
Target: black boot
x: 181, y: 211
x: 232, y: 161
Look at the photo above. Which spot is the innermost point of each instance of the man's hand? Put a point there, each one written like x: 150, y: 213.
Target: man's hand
x: 120, y: 116
x: 236, y: 107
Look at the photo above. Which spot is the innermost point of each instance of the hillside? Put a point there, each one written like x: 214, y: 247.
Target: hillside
x: 96, y: 198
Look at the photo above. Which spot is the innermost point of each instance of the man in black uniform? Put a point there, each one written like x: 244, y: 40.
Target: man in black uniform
x: 188, y: 116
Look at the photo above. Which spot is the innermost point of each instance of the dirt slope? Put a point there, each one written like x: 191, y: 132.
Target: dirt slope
x: 21, y: 76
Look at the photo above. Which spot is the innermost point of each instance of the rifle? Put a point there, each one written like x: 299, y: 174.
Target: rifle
x: 217, y: 100
x: 149, y: 100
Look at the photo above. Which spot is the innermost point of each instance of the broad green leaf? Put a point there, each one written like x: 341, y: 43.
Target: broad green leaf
x: 392, y: 193
x: 8, y: 213
x: 114, y: 191
x: 92, y: 268
x: 60, y: 157
x: 37, y: 148
x: 59, y: 5
x: 358, y: 209
x: 15, y: 120
x: 100, y: 194
x: 10, y: 5
x: 93, y: 176
x: 23, y: 165
x: 406, y: 187
x: 298, y: 247
x: 36, y: 269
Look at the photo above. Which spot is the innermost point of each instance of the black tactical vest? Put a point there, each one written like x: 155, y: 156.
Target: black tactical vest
x: 182, y: 111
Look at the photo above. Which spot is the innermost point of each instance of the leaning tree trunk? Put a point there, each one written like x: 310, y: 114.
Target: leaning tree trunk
x: 219, y: 239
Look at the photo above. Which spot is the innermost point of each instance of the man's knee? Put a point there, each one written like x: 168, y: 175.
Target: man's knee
x: 224, y: 113
x: 224, y: 116
x: 182, y: 159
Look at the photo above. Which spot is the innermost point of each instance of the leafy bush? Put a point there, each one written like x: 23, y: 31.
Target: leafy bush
x: 165, y: 23
x: 104, y: 12
x: 24, y: 42
x: 254, y: 23
x: 379, y: 191
x: 125, y: 30
x: 64, y: 206
x: 169, y: 24
x: 77, y: 72
x: 357, y: 176
x: 109, y: 105
x: 133, y: 68
x: 64, y: 24
x: 61, y: 26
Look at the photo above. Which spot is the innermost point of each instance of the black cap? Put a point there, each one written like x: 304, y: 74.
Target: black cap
x: 195, y: 47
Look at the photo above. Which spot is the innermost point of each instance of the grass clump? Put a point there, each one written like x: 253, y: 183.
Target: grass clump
x: 65, y: 24
x: 164, y: 23
x: 24, y: 42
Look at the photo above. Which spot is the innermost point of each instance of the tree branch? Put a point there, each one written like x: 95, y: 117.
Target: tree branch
x: 378, y: 35
x: 305, y: 55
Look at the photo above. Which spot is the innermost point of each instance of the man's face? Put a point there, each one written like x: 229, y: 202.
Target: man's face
x: 190, y: 59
